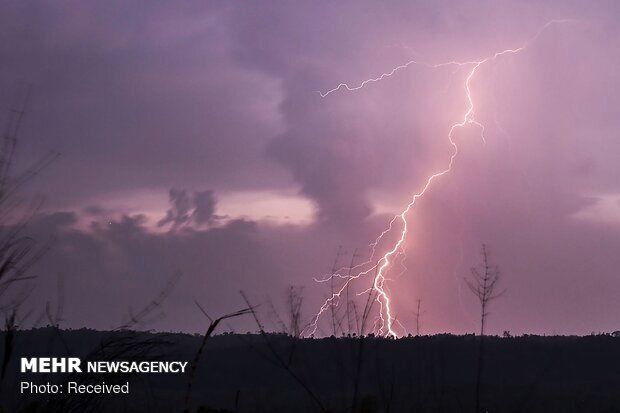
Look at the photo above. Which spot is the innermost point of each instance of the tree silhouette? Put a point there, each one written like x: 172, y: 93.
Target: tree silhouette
x: 18, y: 252
x: 483, y: 284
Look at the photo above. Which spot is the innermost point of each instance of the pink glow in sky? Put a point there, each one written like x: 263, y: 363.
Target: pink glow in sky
x: 220, y: 100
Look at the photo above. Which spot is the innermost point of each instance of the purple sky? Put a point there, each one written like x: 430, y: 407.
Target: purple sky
x: 193, y: 138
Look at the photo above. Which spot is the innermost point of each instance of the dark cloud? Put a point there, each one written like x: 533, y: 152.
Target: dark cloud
x: 127, y: 265
x: 204, y: 207
x: 197, y: 208
x: 179, y: 212
x: 127, y: 94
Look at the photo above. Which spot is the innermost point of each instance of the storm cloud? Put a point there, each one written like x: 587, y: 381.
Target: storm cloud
x: 221, y: 103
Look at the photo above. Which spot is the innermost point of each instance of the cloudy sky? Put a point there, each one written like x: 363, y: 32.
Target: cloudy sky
x: 193, y: 138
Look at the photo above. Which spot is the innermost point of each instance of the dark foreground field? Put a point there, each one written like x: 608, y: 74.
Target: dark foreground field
x: 274, y: 373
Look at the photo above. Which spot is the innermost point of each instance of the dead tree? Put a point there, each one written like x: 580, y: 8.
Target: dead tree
x: 371, y: 299
x: 294, y: 301
x: 332, y: 306
x: 483, y: 284
x: 18, y: 252
x: 417, y: 318
x: 213, y: 323
x: 349, y: 302
x: 284, y: 362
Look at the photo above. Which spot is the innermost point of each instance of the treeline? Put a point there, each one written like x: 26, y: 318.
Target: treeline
x: 239, y: 372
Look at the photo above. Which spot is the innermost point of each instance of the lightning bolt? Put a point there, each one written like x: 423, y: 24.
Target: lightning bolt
x: 386, y: 319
